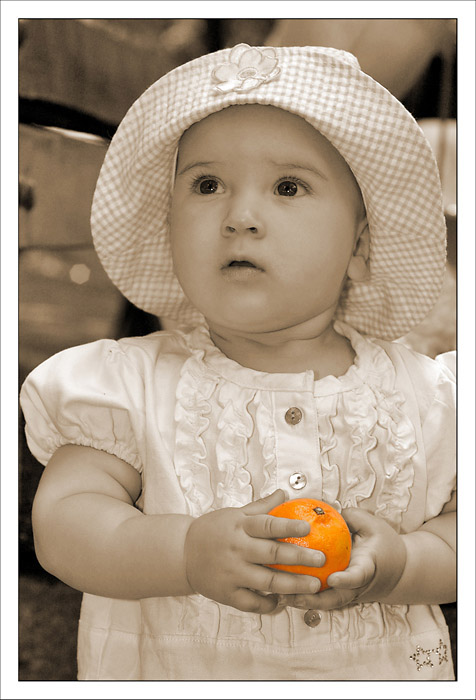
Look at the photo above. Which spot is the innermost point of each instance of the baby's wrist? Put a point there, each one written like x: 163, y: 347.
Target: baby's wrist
x: 416, y: 583
x: 189, y: 550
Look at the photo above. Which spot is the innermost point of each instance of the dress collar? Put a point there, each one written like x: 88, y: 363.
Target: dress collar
x: 371, y: 366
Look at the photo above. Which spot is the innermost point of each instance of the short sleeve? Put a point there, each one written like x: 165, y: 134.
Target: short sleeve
x: 439, y: 437
x: 91, y: 395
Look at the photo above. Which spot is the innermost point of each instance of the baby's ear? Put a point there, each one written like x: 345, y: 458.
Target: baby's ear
x: 358, y: 269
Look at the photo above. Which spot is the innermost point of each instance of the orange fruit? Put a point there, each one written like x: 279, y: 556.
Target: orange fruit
x: 329, y: 533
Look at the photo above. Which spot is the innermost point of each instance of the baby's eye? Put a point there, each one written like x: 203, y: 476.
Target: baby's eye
x: 290, y: 188
x: 207, y: 185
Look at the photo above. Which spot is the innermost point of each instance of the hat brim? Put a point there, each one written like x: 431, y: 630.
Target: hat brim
x: 383, y: 145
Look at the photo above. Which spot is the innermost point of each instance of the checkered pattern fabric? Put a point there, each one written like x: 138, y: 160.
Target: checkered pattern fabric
x: 381, y: 142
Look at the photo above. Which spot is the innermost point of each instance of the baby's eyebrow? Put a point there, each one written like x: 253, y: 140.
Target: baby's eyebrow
x: 197, y: 164
x: 300, y: 166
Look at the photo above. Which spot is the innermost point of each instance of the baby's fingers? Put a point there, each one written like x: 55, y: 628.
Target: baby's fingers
x: 270, y: 580
x: 274, y: 552
x: 271, y: 527
x: 330, y: 599
x: 264, y: 505
x: 252, y: 601
x: 357, y: 575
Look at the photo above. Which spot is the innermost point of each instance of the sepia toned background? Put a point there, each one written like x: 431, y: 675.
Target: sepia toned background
x: 77, y: 78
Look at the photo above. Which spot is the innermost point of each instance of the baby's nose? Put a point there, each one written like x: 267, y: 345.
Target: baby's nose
x: 243, y: 220
x: 232, y: 229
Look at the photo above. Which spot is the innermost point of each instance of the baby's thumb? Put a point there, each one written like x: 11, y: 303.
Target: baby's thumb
x: 264, y: 505
x: 359, y: 521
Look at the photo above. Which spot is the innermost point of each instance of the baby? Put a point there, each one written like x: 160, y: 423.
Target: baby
x: 285, y: 211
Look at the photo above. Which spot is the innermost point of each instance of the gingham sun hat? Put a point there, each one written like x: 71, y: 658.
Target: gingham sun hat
x: 381, y: 142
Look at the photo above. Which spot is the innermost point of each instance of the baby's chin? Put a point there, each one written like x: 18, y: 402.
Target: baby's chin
x: 249, y: 325
x: 269, y: 331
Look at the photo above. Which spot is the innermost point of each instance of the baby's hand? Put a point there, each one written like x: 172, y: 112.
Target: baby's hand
x: 227, y: 550
x: 376, y: 565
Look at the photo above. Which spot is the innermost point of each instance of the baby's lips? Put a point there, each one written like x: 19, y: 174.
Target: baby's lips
x: 242, y: 258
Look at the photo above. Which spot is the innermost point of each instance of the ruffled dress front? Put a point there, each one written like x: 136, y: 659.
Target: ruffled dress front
x: 208, y: 433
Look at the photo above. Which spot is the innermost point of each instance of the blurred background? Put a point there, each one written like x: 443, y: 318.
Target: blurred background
x: 77, y: 78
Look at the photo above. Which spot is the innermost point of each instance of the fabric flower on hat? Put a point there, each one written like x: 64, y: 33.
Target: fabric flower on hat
x: 246, y: 68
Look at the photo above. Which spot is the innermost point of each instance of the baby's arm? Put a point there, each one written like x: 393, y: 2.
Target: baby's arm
x: 90, y: 535
x: 414, y: 568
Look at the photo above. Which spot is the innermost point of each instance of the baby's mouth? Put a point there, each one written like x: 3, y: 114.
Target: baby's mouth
x: 243, y: 263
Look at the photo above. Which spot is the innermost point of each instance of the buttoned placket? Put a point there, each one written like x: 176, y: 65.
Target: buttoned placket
x: 299, y: 470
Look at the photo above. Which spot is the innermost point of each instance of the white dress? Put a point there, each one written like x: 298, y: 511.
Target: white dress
x: 207, y: 433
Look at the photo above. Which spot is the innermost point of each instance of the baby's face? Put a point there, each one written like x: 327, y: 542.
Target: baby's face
x: 264, y: 217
